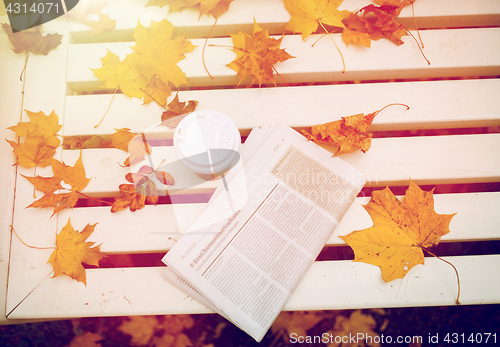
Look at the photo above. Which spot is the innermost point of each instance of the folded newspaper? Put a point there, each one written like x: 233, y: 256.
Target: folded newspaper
x: 263, y: 228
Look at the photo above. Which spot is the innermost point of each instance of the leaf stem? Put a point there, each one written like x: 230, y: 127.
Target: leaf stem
x: 27, y: 244
x: 457, y: 301
x: 25, y: 64
x: 371, y: 116
x: 280, y: 77
x: 416, y: 26
x: 338, y: 49
x: 204, y: 46
x: 95, y: 126
x: 420, y: 48
x: 145, y: 92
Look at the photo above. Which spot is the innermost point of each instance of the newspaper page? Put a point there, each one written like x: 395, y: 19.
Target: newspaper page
x: 247, y: 252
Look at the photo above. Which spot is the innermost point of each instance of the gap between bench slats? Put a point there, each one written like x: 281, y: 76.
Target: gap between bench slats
x: 433, y: 105
x: 327, y: 285
x: 155, y: 228
x: 390, y: 161
x: 453, y: 53
x: 273, y: 16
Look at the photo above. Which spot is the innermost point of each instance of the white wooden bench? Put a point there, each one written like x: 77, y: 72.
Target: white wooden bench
x: 460, y: 89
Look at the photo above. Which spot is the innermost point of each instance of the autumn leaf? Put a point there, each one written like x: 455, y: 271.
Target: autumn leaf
x: 130, y: 198
x: 206, y: 7
x: 104, y: 24
x: 385, y: 24
x: 297, y: 323
x: 156, y: 91
x: 72, y: 250
x: 356, y: 37
x: 349, y: 133
x: 356, y: 323
x: 400, y: 232
x: 32, y: 40
x: 129, y: 142
x: 122, y: 75
x: 256, y: 55
x: 158, y: 53
x: 176, y: 111
x: 307, y: 15
x: 87, y: 339
x: 34, y: 151
x: 73, y: 176
x: 78, y: 142
x: 48, y: 125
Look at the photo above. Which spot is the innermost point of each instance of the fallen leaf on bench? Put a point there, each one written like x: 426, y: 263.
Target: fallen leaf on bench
x: 41, y: 140
x: 177, y: 111
x: 130, y: 142
x: 73, y: 176
x: 256, y: 55
x: 307, y: 15
x: 206, y: 7
x: 31, y: 40
x: 72, y: 250
x: 348, y: 133
x: 400, y: 232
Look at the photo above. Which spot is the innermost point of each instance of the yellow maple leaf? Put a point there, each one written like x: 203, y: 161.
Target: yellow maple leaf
x: 158, y: 53
x: 123, y: 75
x: 177, y: 111
x: 47, y: 125
x: 307, y: 15
x: 156, y: 91
x: 130, y: 142
x: 104, y: 24
x: 256, y: 55
x: 72, y: 250
x: 206, y: 7
x: 400, y: 232
x: 34, y: 151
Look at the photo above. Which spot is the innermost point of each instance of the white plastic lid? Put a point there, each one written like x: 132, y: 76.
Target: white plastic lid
x: 202, y: 131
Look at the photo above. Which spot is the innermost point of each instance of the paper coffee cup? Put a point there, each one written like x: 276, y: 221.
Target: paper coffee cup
x: 207, y: 142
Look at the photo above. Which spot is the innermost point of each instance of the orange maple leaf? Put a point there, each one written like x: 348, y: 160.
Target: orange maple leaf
x: 400, y: 232
x: 129, y: 142
x: 31, y: 40
x: 348, y: 133
x: 256, y: 55
x: 71, y: 175
x: 206, y: 7
x: 177, y: 111
x: 385, y: 24
x: 72, y: 250
x: 41, y: 139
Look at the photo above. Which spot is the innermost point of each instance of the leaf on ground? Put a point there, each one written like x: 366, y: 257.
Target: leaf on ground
x: 297, y: 322
x: 132, y: 143
x: 32, y: 40
x: 87, y: 339
x: 400, y: 232
x: 71, y: 175
x: 256, y: 55
x: 78, y: 142
x: 104, y: 24
x: 158, y: 53
x: 307, y: 15
x: 348, y: 133
x: 122, y: 75
x: 357, y: 323
x: 140, y: 328
x: 206, y: 7
x: 177, y: 111
x: 72, y: 250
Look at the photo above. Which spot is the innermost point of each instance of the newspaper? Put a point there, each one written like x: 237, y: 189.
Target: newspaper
x: 263, y: 228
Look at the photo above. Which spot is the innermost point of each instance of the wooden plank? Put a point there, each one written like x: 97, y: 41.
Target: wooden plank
x: 453, y: 53
x: 433, y: 105
x: 390, y: 161
x: 155, y: 228
x: 44, y: 91
x: 273, y: 16
x: 327, y: 285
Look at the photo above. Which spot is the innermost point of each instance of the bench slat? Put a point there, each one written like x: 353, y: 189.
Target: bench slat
x: 390, y: 161
x: 273, y: 16
x: 327, y: 285
x: 453, y: 53
x: 149, y: 229
x: 433, y: 105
